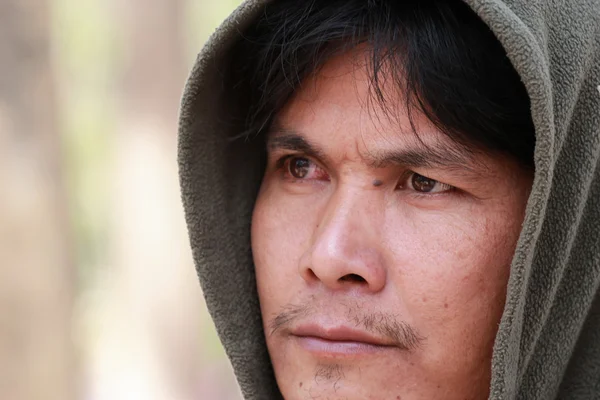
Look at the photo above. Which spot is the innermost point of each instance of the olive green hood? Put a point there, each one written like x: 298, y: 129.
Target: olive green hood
x: 548, y: 343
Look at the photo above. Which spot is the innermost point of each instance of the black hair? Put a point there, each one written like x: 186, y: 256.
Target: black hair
x: 445, y: 61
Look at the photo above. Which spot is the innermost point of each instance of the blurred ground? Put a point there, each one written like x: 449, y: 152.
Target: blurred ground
x: 98, y: 295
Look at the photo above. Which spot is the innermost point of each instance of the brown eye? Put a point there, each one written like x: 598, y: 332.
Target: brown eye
x: 422, y: 184
x: 299, y: 167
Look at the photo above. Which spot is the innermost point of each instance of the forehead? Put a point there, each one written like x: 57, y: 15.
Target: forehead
x: 337, y: 109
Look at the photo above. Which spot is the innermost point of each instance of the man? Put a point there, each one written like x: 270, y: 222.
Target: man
x: 399, y: 200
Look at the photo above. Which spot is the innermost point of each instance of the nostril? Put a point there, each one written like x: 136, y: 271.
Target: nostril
x: 353, y: 278
x: 312, y: 274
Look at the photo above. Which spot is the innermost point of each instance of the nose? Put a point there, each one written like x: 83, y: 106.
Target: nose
x: 345, y: 251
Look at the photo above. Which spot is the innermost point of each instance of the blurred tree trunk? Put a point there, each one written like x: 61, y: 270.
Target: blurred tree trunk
x: 156, y: 314
x: 36, y: 274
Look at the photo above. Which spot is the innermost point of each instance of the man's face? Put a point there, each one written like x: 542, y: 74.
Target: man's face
x: 382, y: 259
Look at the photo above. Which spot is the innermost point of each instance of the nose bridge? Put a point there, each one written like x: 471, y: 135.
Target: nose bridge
x: 345, y: 245
x: 345, y: 220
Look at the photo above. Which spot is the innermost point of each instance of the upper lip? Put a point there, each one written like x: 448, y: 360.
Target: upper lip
x: 339, y: 334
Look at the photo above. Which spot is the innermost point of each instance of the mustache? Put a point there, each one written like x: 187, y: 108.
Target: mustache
x: 385, y: 325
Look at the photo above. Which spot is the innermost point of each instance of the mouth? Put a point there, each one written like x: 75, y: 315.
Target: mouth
x: 338, y: 341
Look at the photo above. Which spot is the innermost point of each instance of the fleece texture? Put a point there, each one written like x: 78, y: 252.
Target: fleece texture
x: 548, y: 343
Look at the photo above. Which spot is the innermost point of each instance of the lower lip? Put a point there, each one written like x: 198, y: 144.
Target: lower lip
x: 326, y: 347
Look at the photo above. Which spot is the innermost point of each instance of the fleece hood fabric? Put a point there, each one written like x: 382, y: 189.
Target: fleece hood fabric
x: 548, y: 343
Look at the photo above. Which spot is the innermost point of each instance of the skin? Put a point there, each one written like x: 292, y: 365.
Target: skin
x: 342, y: 237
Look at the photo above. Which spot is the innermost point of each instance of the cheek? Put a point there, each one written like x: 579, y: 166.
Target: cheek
x: 281, y: 232
x: 450, y: 275
x: 457, y: 268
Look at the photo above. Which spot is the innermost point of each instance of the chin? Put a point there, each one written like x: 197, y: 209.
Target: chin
x: 304, y: 375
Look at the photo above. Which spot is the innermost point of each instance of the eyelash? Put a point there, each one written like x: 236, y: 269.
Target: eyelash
x: 408, y: 175
x: 281, y: 165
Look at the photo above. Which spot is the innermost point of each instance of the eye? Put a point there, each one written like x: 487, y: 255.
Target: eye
x: 423, y: 184
x: 302, y: 168
x: 299, y: 167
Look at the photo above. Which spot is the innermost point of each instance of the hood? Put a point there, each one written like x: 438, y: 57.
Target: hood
x: 548, y: 342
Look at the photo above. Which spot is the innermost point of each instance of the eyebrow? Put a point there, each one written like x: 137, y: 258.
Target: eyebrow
x: 286, y: 139
x: 424, y: 156
x: 419, y: 155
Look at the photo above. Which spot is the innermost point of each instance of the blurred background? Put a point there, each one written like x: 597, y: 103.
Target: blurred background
x: 98, y: 295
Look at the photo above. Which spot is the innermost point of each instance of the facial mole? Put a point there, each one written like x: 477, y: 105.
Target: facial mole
x: 377, y: 183
x: 300, y: 384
